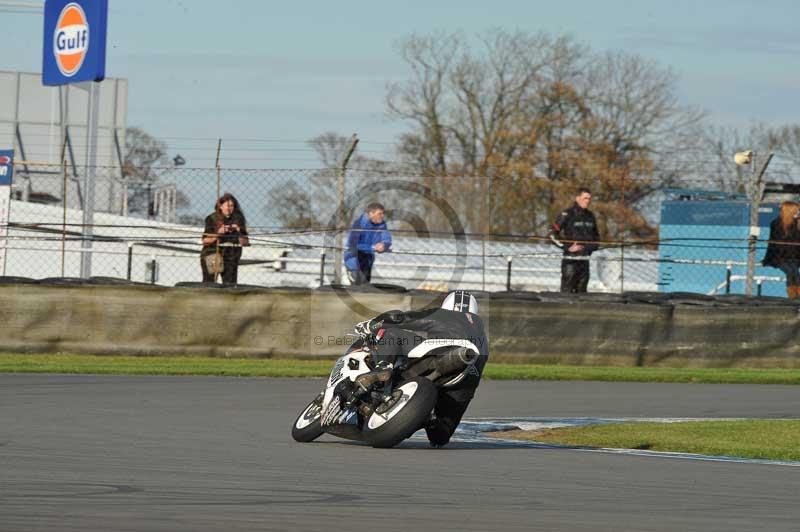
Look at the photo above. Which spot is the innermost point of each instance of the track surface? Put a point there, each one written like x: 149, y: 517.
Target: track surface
x: 101, y: 453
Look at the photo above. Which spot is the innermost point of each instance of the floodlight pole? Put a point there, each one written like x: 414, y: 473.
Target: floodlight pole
x: 756, y: 193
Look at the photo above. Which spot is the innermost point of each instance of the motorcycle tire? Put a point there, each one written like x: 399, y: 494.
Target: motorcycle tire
x: 308, y: 426
x: 406, y: 416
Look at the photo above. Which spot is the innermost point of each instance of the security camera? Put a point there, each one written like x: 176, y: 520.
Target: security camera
x: 743, y: 158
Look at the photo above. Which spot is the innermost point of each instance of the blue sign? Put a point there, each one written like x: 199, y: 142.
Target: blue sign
x: 6, y: 167
x: 74, y: 41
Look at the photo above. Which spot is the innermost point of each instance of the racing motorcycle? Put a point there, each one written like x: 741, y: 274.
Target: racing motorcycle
x: 357, y: 404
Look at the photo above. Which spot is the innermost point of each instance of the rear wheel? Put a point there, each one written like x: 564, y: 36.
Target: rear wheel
x: 308, y: 427
x: 404, y: 414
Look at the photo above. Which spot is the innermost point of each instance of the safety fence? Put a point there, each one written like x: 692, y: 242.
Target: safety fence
x: 486, y: 233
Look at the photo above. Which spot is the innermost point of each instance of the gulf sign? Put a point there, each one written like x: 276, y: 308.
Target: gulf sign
x: 71, y: 39
x: 6, y: 166
x: 74, y: 41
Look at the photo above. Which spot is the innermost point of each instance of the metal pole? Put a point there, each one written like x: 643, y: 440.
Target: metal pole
x: 508, y: 275
x: 340, y: 222
x: 728, y: 279
x: 486, y: 194
x: 63, y: 207
x: 125, y: 199
x: 622, y: 238
x: 130, y: 259
x: 219, y: 179
x: 89, y: 180
x: 756, y: 191
x: 322, y: 267
x: 483, y: 261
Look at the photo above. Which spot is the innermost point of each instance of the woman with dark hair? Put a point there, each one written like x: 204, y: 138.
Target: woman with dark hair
x: 783, y: 250
x: 224, y: 235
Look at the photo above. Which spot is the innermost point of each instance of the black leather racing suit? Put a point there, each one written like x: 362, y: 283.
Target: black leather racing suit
x: 437, y: 332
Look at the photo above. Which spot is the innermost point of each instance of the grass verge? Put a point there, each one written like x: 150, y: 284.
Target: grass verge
x: 269, y: 367
x: 645, y: 374
x: 765, y: 439
x: 147, y: 365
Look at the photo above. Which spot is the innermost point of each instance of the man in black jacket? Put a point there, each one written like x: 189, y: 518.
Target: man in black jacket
x: 455, y: 335
x: 575, y: 231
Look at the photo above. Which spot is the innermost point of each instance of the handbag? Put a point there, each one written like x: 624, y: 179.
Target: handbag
x: 214, y: 263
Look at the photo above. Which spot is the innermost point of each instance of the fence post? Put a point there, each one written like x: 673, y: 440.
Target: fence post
x: 508, y: 274
x: 756, y: 191
x: 340, y: 222
x: 728, y: 279
x: 622, y: 237
x: 216, y: 165
x: 322, y: 267
x: 63, y: 210
x: 130, y: 259
x: 152, y: 269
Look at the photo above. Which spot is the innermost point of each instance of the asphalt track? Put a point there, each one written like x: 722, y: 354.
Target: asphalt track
x: 103, y: 453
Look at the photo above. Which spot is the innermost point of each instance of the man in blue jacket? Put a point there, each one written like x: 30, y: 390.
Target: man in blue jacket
x: 367, y: 237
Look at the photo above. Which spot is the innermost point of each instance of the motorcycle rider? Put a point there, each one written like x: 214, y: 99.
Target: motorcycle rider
x: 455, y: 334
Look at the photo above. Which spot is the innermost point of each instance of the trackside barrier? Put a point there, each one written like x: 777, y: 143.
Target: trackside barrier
x: 112, y: 316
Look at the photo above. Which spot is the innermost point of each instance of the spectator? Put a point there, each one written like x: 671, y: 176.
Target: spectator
x: 575, y: 231
x: 783, y: 251
x: 367, y: 237
x: 224, y: 235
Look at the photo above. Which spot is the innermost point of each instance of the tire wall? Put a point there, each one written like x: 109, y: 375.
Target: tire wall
x: 151, y: 320
x: 587, y: 333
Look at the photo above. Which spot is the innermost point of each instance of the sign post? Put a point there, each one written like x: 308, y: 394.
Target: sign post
x: 6, y: 174
x: 74, y: 51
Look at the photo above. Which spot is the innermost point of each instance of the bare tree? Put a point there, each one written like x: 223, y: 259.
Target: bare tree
x: 143, y: 154
x: 789, y: 139
x: 293, y: 206
x: 533, y: 106
x: 145, y: 159
x: 306, y: 202
x: 713, y: 156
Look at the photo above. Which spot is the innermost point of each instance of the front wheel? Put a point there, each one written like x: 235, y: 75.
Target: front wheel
x: 403, y: 415
x: 308, y: 426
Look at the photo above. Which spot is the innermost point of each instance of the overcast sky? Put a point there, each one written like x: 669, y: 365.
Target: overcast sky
x: 288, y: 71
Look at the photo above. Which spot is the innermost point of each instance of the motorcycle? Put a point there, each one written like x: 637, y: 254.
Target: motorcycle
x: 357, y: 404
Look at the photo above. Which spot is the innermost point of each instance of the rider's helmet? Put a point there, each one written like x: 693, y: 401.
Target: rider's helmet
x: 461, y: 301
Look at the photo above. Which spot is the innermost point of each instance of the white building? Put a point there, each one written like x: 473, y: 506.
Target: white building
x: 38, y: 122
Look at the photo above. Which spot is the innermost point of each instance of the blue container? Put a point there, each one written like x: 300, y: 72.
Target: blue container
x: 701, y: 237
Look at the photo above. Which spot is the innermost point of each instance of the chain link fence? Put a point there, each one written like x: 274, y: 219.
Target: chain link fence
x: 448, y: 232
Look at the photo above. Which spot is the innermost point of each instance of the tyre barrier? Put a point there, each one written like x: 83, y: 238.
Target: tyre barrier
x: 113, y: 316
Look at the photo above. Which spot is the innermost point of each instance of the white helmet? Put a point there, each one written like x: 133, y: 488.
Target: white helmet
x: 460, y: 301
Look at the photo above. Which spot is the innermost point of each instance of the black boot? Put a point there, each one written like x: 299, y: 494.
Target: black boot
x: 438, y: 431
